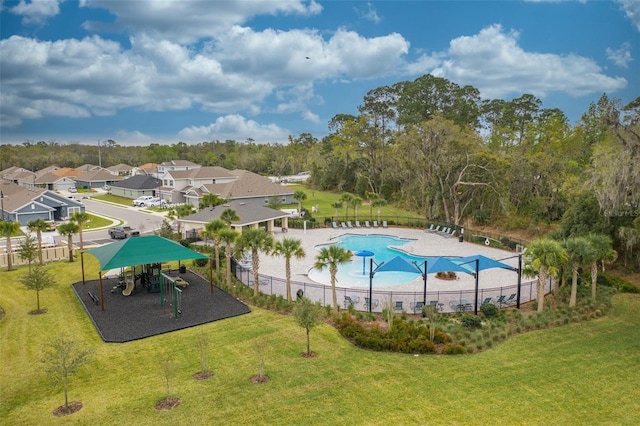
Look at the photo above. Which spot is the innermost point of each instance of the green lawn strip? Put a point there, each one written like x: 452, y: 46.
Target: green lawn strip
x: 579, y: 374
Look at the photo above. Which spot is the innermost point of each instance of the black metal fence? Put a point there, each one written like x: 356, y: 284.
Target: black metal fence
x: 445, y: 301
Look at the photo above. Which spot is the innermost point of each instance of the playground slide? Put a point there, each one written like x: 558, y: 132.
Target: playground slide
x: 129, y: 288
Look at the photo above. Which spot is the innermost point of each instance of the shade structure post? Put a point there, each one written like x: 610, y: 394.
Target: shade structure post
x: 371, y: 273
x: 477, y: 261
x: 82, y: 265
x: 424, y: 277
x: 101, y: 292
x: 519, y: 281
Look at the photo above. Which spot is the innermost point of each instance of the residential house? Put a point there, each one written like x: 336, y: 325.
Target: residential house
x: 26, y: 204
x: 55, y: 180
x: 120, y: 170
x: 136, y: 186
x: 176, y: 183
x: 96, y: 179
x: 176, y: 165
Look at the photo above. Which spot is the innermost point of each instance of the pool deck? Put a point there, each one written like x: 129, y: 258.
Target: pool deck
x: 425, y: 244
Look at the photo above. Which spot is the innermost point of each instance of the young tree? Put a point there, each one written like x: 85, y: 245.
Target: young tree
x: 337, y: 206
x: 80, y: 218
x: 8, y: 228
x: 579, y: 252
x: 38, y: 225
x: 289, y: 247
x: 202, y: 344
x: 28, y: 250
x: 255, y: 240
x: 68, y: 230
x: 307, y: 315
x: 166, y: 230
x: 179, y: 211
x: 331, y: 257
x: 299, y: 196
x: 38, y: 279
x: 601, y: 245
x: 544, y: 257
x: 228, y: 236
x: 61, y: 358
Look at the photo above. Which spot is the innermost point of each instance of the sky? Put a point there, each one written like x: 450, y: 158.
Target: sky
x: 169, y: 71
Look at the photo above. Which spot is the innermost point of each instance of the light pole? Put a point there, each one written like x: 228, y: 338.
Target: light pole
x: 424, y: 277
x: 372, y: 272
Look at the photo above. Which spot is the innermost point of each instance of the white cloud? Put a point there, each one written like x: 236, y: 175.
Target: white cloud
x: 631, y: 8
x: 310, y: 116
x: 493, y: 62
x: 36, y: 11
x: 134, y: 137
x: 622, y: 56
x: 187, y: 21
x: 370, y: 13
x: 234, y: 127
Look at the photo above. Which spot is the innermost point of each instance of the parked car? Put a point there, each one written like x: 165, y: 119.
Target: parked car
x: 139, y: 202
x: 122, y: 232
x: 156, y: 202
x: 73, y: 189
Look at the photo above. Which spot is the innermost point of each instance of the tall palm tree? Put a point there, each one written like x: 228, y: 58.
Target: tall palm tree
x: 9, y: 228
x: 357, y: 202
x: 603, y: 253
x: 255, y: 240
x: 299, y: 196
x: 228, y: 236
x: 337, y: 205
x: 379, y: 203
x: 579, y: 252
x: 346, y: 198
x: 331, y: 257
x: 38, y: 225
x: 210, y: 200
x: 544, y: 257
x: 229, y: 215
x: 212, y: 230
x: 371, y: 197
x: 289, y: 247
x: 68, y: 230
x: 80, y: 218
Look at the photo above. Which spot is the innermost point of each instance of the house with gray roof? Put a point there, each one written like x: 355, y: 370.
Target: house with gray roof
x: 251, y: 216
x: 136, y: 186
x: 96, y: 179
x: 176, y: 183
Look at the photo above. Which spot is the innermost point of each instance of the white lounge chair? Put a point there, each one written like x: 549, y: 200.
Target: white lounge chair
x: 358, y: 224
x: 384, y: 223
x: 334, y: 224
x: 375, y: 223
x: 366, y: 224
x: 349, y: 225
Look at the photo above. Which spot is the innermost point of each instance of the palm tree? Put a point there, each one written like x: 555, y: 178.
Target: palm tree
x: 357, y: 202
x: 379, y: 203
x: 299, y: 196
x: 38, y: 225
x: 346, y: 198
x: 210, y: 200
x: 9, y: 228
x: 289, y: 247
x: 603, y: 253
x: 337, y: 205
x: 212, y: 230
x: 544, y: 257
x: 371, y: 196
x: 229, y: 215
x: 80, y: 218
x: 331, y: 257
x: 579, y: 252
x: 68, y: 230
x: 179, y: 211
x: 255, y: 240
x: 228, y: 236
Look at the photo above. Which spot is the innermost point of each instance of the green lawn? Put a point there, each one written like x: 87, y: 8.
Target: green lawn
x: 578, y: 374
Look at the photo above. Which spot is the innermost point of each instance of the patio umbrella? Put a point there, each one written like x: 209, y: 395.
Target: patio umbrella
x: 364, y: 254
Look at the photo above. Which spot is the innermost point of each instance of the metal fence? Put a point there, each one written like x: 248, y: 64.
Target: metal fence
x: 411, y: 302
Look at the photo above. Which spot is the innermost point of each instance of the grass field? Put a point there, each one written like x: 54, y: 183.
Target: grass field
x: 578, y: 374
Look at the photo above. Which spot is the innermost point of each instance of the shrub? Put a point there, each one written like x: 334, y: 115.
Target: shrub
x: 471, y: 321
x: 454, y: 350
x: 489, y: 310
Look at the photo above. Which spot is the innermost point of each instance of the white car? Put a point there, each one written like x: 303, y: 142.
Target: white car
x: 139, y: 202
x: 155, y: 202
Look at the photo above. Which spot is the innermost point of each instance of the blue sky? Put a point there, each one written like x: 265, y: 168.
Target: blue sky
x: 141, y: 72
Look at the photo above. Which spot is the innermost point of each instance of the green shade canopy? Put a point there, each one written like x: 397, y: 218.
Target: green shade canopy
x: 141, y: 251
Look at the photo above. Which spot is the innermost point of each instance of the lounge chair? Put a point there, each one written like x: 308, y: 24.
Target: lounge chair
x: 342, y: 225
x: 452, y: 234
x: 510, y: 300
x: 334, y: 225
x: 445, y: 230
x: 499, y: 301
x: 373, y: 305
x: 349, y: 225
x: 384, y: 223
x: 350, y: 301
x: 436, y: 229
x: 358, y: 224
x: 375, y: 223
x: 366, y: 224
x: 436, y: 304
x: 486, y: 300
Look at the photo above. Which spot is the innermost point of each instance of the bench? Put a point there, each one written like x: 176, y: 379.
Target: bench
x: 94, y: 298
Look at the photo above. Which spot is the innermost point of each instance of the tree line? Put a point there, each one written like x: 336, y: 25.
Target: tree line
x: 436, y: 148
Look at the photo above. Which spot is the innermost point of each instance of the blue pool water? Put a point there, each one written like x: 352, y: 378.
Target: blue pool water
x: 356, y: 272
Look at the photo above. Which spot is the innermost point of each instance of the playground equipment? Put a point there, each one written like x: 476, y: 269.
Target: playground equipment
x: 129, y: 282
x: 170, y: 288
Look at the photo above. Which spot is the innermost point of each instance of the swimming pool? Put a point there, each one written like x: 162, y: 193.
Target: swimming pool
x: 355, y: 273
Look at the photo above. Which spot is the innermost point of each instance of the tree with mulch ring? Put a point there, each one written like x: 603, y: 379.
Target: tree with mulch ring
x: 202, y: 343
x: 259, y: 346
x: 61, y: 358
x: 168, y: 371
x: 38, y: 279
x: 307, y: 315
x: 168, y: 404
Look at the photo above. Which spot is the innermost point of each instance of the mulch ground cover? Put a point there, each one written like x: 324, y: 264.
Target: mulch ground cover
x: 142, y: 314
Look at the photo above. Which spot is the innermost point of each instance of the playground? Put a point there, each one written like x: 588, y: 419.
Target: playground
x: 145, y: 313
